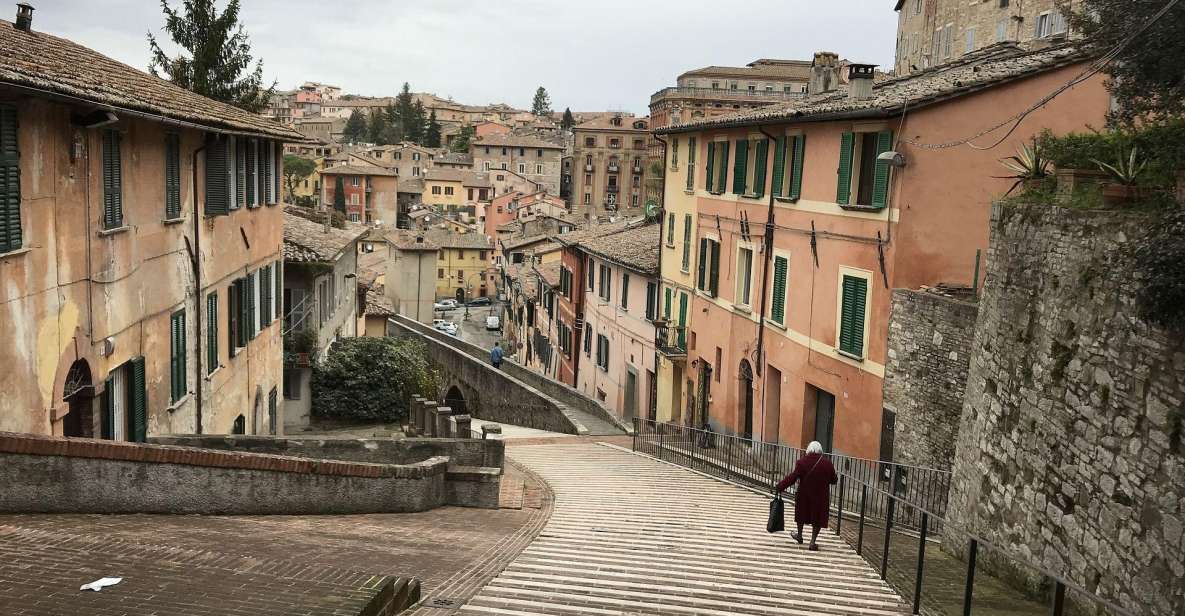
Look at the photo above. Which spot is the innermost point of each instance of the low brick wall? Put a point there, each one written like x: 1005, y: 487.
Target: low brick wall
x: 59, y: 475
x: 474, y: 466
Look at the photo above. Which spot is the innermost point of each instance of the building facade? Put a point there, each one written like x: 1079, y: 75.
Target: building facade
x: 611, y: 161
x: 370, y: 193
x: 788, y: 341
x: 140, y: 251
x: 531, y: 155
x: 719, y: 90
x: 410, y: 280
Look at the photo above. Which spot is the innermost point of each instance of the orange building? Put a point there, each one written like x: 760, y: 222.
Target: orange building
x: 788, y: 332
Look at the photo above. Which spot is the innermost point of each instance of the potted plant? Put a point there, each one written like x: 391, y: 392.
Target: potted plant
x: 1029, y: 166
x: 1124, y: 174
x: 299, y: 347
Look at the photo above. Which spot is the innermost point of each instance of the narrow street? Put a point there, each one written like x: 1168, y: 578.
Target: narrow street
x: 630, y: 535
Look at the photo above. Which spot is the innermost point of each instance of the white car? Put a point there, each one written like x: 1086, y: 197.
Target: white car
x: 493, y: 322
x: 447, y: 327
x: 445, y: 304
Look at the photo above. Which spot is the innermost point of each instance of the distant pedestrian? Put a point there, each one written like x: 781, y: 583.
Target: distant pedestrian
x: 815, y: 476
x: 496, y: 355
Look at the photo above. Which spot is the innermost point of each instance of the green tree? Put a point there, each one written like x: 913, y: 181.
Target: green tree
x: 356, y: 127
x: 216, y: 52
x: 568, y: 122
x: 1146, y: 76
x: 416, y: 126
x: 405, y: 113
x: 541, y: 106
x: 339, y: 195
x: 372, y: 378
x: 432, y: 133
x: 394, y: 133
x: 376, y: 127
x: 461, y: 141
x: 296, y: 169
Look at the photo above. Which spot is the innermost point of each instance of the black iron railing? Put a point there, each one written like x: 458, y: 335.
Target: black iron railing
x: 670, y: 338
x: 901, y: 508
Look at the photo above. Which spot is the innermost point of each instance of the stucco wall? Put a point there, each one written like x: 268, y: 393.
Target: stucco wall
x: 411, y: 282
x: 1070, y: 449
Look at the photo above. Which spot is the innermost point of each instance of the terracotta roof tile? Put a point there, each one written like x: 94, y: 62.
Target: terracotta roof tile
x: 358, y: 170
x: 635, y: 248
x: 306, y: 241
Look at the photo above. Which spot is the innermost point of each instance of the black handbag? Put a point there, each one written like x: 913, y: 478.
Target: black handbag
x: 777, y: 516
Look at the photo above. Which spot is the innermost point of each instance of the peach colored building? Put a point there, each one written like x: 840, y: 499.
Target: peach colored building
x: 371, y: 193
x: 788, y: 332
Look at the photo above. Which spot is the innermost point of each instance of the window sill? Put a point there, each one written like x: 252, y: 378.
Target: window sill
x: 688, y: 192
x: 742, y: 309
x: 210, y: 375
x: 785, y: 200
x: 172, y: 221
x: 178, y: 404
x: 775, y: 324
x: 752, y: 196
x: 862, y: 208
x: 115, y: 231
x: 849, y: 355
x: 715, y: 192
x: 14, y: 253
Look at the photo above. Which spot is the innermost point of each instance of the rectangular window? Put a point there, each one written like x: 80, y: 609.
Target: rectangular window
x: 674, y: 154
x: 606, y: 282
x: 853, y: 301
x: 233, y: 297
x: 436, y: 190
x: 691, y: 163
x: 625, y: 290
x: 252, y: 305
x: 603, y: 352
x: 744, y: 276
x: 671, y: 229
x: 112, y: 180
x: 172, y: 176
x: 717, y: 175
x: 651, y: 301
x: 666, y: 304
x: 10, y: 181
x: 591, y: 274
x: 749, y: 169
x: 448, y: 190
x: 686, y: 265
x: 211, y: 332
x: 969, y: 43
x: 861, y: 172
x: 709, y: 266
x: 789, y: 153
x: 777, y: 306
x: 1002, y: 30
x: 587, y: 339
x: 292, y: 383
x: 177, y: 356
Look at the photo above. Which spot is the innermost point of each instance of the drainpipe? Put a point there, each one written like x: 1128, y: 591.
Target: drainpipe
x: 662, y: 221
x: 768, y: 242
x: 197, y: 283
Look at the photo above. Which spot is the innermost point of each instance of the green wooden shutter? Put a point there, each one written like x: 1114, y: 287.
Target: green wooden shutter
x: 779, y: 166
x: 211, y: 332
x: 691, y: 163
x: 851, y: 331
x: 268, y: 172
x: 252, y: 160
x: 681, y: 340
x: 711, y: 160
x: 686, y: 242
x: 666, y: 304
x: 112, y: 180
x: 722, y: 181
x: 739, y: 167
x: 278, y: 298
x: 10, y: 181
x: 777, y: 310
x: 880, y: 190
x: 759, y: 167
x: 217, y: 187
x: 796, y: 168
x: 244, y: 311
x: 714, y: 246
x: 703, y: 264
x: 265, y: 295
x: 177, y: 356
x: 844, y: 188
x: 138, y: 397
x: 240, y: 158
x: 671, y: 229
x: 172, y: 176
x: 251, y: 307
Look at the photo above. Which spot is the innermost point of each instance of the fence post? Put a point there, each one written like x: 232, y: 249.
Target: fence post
x: 888, y: 537
x: 917, y: 585
x: 728, y: 457
x: 658, y: 428
x: 839, y: 518
x: 637, y: 424
x: 969, y: 589
x: 1059, y: 599
x: 860, y: 534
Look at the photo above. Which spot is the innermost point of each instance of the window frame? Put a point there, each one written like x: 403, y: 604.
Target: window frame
x: 859, y: 274
x: 11, y: 231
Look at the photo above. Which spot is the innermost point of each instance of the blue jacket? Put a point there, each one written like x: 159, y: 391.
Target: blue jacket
x: 496, y: 354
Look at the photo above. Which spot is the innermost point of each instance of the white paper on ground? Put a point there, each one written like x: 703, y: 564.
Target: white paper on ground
x: 100, y: 583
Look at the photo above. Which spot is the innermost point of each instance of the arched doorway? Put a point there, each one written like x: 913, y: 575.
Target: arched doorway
x: 746, y: 398
x: 455, y: 400
x: 460, y: 295
x: 79, y: 395
x: 240, y: 426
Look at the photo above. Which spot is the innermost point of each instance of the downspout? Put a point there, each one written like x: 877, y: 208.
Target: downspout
x: 768, y: 243
x: 662, y: 221
x: 197, y: 283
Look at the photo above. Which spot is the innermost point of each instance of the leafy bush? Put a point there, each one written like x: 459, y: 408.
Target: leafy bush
x: 372, y: 379
x: 1160, y: 263
x: 1163, y: 145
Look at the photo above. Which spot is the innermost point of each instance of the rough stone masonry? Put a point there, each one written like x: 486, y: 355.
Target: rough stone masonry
x: 1070, y: 450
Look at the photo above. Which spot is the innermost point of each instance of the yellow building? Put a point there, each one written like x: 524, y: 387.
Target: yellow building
x: 310, y: 186
x: 461, y: 263
x: 456, y: 191
x: 678, y: 257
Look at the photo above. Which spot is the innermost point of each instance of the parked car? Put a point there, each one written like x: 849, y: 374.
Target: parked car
x: 445, y: 304
x: 447, y: 327
x: 480, y: 301
x: 493, y: 322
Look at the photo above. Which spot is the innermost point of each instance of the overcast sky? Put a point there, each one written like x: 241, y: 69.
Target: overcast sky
x: 592, y: 55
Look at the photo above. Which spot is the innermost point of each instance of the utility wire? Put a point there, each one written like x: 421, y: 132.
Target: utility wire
x: 1091, y: 71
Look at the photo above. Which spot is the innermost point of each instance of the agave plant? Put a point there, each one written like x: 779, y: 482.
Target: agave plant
x: 1127, y: 171
x: 1028, y: 164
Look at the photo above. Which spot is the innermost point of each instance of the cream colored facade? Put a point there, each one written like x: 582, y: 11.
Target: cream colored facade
x: 611, y: 161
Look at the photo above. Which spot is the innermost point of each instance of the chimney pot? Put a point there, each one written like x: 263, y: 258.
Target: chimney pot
x: 24, y: 16
x: 860, y: 79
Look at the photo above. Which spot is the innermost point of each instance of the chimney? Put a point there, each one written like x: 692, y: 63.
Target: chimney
x: 24, y: 17
x: 824, y: 72
x: 860, y: 77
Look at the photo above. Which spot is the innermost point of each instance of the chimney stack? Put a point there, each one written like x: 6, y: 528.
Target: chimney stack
x: 860, y: 78
x: 824, y: 72
x: 24, y: 17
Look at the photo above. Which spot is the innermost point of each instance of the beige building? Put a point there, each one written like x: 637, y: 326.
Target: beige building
x: 931, y: 32
x: 717, y: 90
x: 140, y: 251
x: 532, y: 155
x: 610, y: 164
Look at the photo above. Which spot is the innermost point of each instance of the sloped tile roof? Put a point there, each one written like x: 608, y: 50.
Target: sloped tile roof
x: 636, y: 248
x: 377, y: 302
x: 358, y: 170
x: 404, y: 239
x: 306, y: 241
x: 517, y: 140
x: 58, y: 66
x: 550, y: 273
x: 984, y: 68
x: 441, y: 238
x: 758, y: 69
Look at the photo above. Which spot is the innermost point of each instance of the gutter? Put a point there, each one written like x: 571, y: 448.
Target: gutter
x: 197, y: 283
x: 662, y: 221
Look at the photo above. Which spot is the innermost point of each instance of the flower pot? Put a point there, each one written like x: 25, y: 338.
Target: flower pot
x: 1069, y: 180
x: 302, y: 360
x: 1119, y: 194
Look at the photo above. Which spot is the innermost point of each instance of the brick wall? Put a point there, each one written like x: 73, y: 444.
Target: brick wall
x: 928, y: 350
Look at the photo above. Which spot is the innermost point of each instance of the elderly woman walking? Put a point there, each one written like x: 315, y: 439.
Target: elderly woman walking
x: 815, y: 475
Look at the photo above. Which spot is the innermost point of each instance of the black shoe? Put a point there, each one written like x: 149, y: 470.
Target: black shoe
x: 797, y: 537
x: 812, y: 548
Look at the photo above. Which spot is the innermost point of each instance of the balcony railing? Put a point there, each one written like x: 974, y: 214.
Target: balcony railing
x: 588, y: 168
x: 771, y: 95
x: 611, y: 189
x: 613, y: 168
x: 670, y: 338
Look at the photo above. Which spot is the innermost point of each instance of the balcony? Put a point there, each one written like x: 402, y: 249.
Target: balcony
x: 611, y: 189
x: 722, y: 94
x: 670, y: 338
x: 588, y: 168
x: 613, y: 168
x: 637, y: 169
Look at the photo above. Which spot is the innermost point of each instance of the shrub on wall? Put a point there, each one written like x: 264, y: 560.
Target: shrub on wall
x: 372, y: 379
x: 1160, y: 263
x: 1162, y: 145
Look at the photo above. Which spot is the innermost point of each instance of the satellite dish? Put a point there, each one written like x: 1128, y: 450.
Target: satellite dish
x: 652, y: 208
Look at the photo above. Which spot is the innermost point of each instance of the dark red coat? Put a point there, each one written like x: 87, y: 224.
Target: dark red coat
x: 815, y: 475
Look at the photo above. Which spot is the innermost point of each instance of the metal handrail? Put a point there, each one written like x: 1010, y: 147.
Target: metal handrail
x: 930, y: 514
x: 304, y: 313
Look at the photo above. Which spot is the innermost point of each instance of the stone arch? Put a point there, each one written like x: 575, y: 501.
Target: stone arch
x: 454, y: 398
x: 240, y: 425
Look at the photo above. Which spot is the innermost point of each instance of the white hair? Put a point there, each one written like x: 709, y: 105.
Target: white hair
x: 814, y: 447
